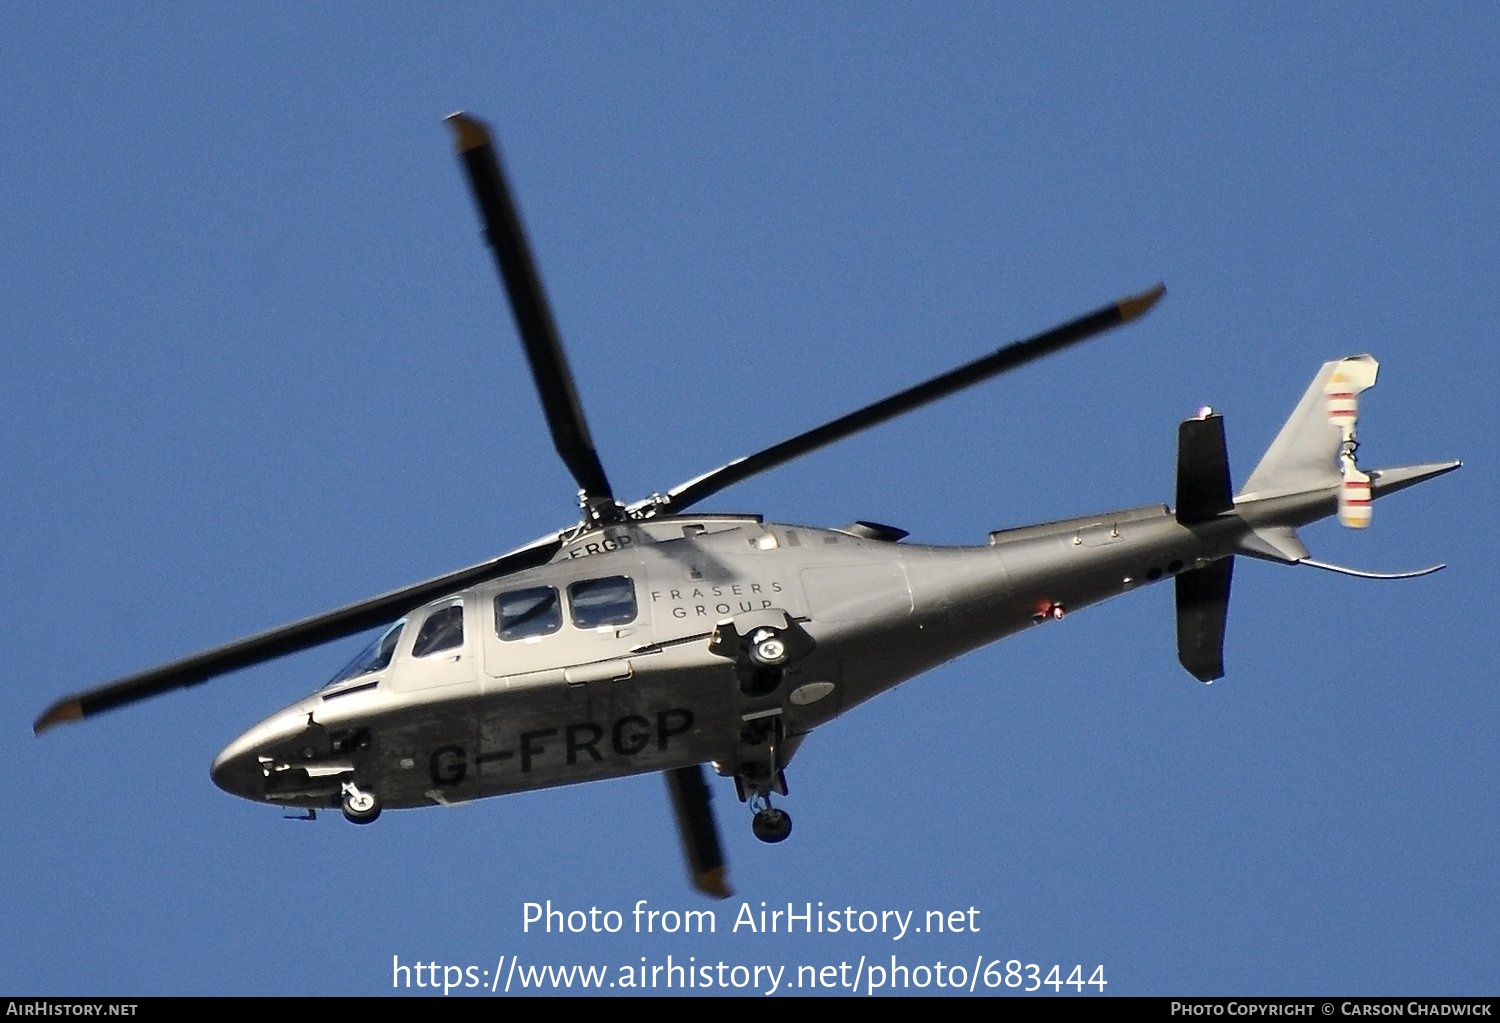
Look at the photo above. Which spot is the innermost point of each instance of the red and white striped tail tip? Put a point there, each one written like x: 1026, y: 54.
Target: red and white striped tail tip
x: 1355, y: 501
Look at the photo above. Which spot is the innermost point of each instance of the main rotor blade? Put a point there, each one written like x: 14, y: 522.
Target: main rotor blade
x: 696, y: 828
x: 289, y: 639
x: 528, y: 303
x: 1002, y: 360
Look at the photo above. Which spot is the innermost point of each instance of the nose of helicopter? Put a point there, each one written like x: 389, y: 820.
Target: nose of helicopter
x: 239, y: 769
x: 236, y: 770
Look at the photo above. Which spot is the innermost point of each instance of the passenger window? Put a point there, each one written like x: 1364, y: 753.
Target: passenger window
x: 521, y: 614
x: 443, y: 630
x: 600, y: 602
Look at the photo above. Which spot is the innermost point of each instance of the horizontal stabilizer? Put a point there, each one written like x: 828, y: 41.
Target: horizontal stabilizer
x: 1388, y: 481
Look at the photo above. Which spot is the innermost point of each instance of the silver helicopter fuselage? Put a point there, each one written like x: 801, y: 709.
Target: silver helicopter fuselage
x: 603, y: 662
x: 573, y: 698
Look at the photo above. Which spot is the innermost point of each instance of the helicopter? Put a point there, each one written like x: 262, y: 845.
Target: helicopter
x: 646, y: 637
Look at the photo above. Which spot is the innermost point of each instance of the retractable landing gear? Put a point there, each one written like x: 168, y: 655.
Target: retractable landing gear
x: 360, y: 807
x: 760, y: 775
x: 764, y: 646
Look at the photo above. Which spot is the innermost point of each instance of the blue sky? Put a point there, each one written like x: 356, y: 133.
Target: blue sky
x: 257, y: 365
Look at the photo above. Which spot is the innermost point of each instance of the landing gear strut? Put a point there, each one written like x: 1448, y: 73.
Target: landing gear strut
x: 765, y: 647
x: 760, y: 775
x: 360, y: 807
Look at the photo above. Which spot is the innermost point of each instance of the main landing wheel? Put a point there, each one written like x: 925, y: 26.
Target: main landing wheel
x: 771, y: 825
x: 360, y: 807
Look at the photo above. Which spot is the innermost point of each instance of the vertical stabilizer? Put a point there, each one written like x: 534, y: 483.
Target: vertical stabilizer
x: 1202, y: 612
x: 1203, y: 493
x: 1305, y: 454
x: 1203, y: 488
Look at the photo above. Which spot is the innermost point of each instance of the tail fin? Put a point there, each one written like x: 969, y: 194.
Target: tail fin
x: 1307, y: 473
x: 1203, y: 494
x: 1203, y: 487
x: 1305, y: 455
x: 1202, y: 612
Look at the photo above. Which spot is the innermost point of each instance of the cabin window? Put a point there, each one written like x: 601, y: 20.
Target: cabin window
x: 522, y: 614
x: 598, y: 603
x: 443, y: 630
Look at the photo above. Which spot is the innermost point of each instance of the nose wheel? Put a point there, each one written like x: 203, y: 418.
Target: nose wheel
x: 360, y: 807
